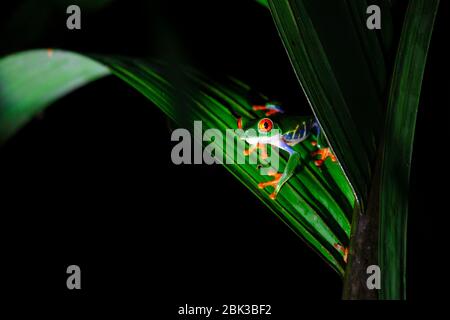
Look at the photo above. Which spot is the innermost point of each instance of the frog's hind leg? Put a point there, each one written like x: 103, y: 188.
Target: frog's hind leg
x: 280, y: 179
x: 323, y: 154
x: 270, y: 108
x: 293, y: 162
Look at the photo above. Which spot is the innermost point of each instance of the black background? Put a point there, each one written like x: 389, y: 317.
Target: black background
x: 90, y: 181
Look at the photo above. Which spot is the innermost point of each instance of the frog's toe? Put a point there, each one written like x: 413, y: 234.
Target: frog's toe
x: 272, y: 183
x: 266, y: 184
x: 271, y: 112
x: 250, y: 150
x: 343, y: 250
x: 323, y: 154
x: 318, y: 163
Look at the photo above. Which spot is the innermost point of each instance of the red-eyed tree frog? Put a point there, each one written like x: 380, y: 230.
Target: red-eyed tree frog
x: 291, y: 130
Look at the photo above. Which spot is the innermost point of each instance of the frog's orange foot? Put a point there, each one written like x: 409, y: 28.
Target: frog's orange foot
x: 270, y: 109
x: 259, y: 146
x: 323, y: 154
x: 272, y: 183
x: 343, y: 250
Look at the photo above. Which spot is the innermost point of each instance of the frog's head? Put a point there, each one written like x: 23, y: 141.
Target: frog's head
x: 258, y: 131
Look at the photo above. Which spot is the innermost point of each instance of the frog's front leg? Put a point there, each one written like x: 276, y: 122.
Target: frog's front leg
x: 254, y: 147
x: 280, y: 179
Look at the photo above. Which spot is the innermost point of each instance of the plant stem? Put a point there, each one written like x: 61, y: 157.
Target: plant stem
x: 363, y: 245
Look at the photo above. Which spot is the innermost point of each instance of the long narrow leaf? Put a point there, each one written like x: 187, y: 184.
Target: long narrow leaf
x: 341, y: 67
x: 398, y: 144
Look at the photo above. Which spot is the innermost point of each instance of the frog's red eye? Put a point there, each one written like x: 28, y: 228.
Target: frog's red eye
x: 265, y: 125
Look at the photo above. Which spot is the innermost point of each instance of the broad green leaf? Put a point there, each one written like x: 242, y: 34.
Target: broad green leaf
x: 32, y: 80
x: 316, y: 204
x: 398, y: 144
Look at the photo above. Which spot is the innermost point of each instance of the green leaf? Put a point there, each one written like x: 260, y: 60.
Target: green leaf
x: 32, y: 80
x: 398, y: 144
x: 341, y: 66
x: 316, y: 204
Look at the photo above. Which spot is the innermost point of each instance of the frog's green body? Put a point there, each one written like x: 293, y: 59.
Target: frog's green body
x: 285, y: 133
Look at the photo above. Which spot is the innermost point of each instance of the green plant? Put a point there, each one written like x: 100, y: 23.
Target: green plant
x: 366, y: 109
